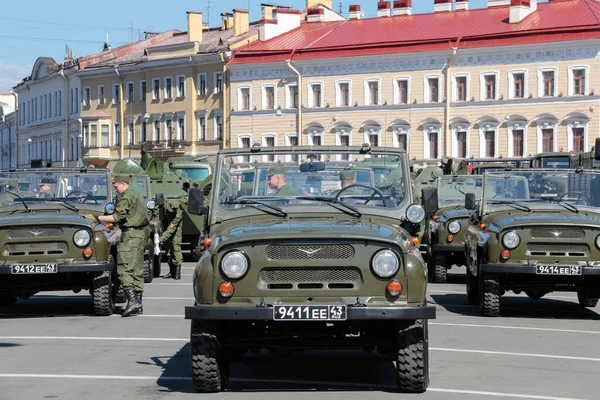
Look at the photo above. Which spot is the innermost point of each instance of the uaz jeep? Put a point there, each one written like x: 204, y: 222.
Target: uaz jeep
x: 335, y: 266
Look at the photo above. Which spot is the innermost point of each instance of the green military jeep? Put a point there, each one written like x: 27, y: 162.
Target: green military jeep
x: 535, y: 231
x: 445, y: 232
x: 335, y: 268
x: 48, y: 245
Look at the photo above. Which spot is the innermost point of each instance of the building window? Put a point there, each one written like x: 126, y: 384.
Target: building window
x: 169, y: 129
x: 181, y: 86
x: 402, y: 141
x: 548, y: 83
x: 268, y: 97
x: 143, y: 130
x: 77, y: 100
x: 94, y: 135
x: 490, y: 143
x: 578, y: 140
x: 219, y: 82
x: 461, y: 144
x: 168, y: 88
x: 578, y: 81
x: 518, y: 85
x: 244, y: 99
x: 130, y: 133
x: 517, y: 139
x: 547, y: 140
x: 490, y: 87
x: 103, y: 135
x: 202, y: 84
x: 116, y: 94
x: 372, y: 92
x: 219, y: 127
x: 292, y: 97
x: 71, y: 107
x: 101, y: 98
x: 433, y: 144
x: 117, y: 134
x: 245, y: 144
x: 401, y: 91
x: 56, y: 104
x: 315, y: 92
x: 130, y: 95
x: 343, y: 91
x: 87, y: 96
x: 433, y: 89
x: 374, y: 139
x: 292, y: 141
x: 181, y: 129
x: 156, y: 131
x: 142, y: 90
x: 269, y: 141
x: 202, y: 129
x: 461, y: 88
x: 156, y: 89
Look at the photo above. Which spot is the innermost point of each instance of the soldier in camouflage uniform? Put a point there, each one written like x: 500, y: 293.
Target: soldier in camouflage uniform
x: 132, y: 216
x: 171, y: 237
x: 276, y: 181
x: 11, y: 193
x: 348, y: 178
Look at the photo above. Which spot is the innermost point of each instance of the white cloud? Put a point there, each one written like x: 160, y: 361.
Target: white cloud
x: 11, y: 74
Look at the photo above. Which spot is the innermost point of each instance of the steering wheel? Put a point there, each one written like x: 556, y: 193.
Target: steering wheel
x: 580, y: 196
x: 81, y: 199
x: 506, y: 194
x: 375, y: 192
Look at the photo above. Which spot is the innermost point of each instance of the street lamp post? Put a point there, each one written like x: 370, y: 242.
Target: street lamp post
x: 29, y: 145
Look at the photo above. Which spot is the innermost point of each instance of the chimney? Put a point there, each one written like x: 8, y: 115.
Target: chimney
x: 497, y: 3
x: 267, y: 11
x: 315, y: 3
x: 241, y: 21
x: 403, y: 7
x: 194, y: 22
x: 354, y: 12
x: 519, y: 9
x: 442, y: 5
x: 384, y: 9
x: 461, y: 5
x: 315, y: 15
x: 226, y: 21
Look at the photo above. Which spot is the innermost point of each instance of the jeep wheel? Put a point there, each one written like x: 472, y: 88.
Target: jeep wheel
x: 156, y: 265
x: 148, y: 267
x: 473, y: 296
x: 586, y: 300
x: 440, y: 274
x: 121, y: 298
x: 412, y: 366
x: 490, y: 298
x: 8, y: 299
x: 103, y: 294
x: 208, y: 367
x: 196, y: 251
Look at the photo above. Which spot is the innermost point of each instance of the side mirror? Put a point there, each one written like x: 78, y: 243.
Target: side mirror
x: 160, y: 199
x: 196, y: 202
x: 597, y: 149
x: 429, y: 200
x: 470, y: 201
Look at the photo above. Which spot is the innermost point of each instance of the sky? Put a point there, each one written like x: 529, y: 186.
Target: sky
x: 39, y: 28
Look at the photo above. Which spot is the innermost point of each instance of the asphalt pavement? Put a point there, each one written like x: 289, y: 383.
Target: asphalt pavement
x: 52, y: 348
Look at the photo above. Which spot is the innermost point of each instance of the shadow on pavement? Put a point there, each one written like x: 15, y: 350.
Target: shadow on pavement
x: 2, y: 345
x: 44, y: 305
x: 519, y: 307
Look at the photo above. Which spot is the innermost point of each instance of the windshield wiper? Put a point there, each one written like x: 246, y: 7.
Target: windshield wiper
x: 253, y: 203
x: 67, y: 205
x: 564, y: 204
x: 345, y: 208
x: 511, y: 203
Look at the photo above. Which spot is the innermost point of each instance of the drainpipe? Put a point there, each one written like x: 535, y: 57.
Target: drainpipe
x: 120, y: 116
x: 448, y: 94
x: 80, y: 120
x: 299, y: 116
x: 226, y: 88
x: 17, y: 116
x: 66, y: 111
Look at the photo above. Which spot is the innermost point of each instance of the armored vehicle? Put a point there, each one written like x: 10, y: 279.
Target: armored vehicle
x: 535, y: 231
x: 195, y: 168
x: 47, y: 242
x: 445, y: 232
x: 336, y: 268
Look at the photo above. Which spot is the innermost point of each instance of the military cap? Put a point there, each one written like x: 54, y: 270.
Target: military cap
x: 46, y: 181
x: 13, y: 182
x: 275, y: 171
x: 120, y: 178
x: 347, y: 175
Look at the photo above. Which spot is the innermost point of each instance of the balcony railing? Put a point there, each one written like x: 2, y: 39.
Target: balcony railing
x: 173, y: 145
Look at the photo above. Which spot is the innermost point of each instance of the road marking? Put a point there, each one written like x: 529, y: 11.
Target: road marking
x: 509, y: 295
x: 525, y: 328
x: 93, y: 338
x: 285, y: 381
x: 504, y: 353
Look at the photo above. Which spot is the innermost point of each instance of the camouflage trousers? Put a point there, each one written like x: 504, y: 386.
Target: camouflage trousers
x: 173, y: 247
x: 130, y: 260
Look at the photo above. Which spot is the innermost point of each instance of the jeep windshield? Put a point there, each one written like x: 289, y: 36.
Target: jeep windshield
x: 452, y: 189
x: 570, y: 189
x: 310, y: 179
x: 69, y: 186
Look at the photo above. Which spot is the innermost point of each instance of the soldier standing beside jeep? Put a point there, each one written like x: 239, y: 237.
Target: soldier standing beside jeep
x: 132, y: 216
x: 171, y: 237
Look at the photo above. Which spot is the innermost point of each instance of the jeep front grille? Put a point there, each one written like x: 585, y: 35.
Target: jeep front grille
x: 310, y: 252
x: 35, y: 249
x: 310, y: 278
x: 547, y: 249
x: 557, y: 233
x: 34, y: 233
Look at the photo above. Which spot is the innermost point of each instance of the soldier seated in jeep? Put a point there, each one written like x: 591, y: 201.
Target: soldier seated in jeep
x: 336, y: 268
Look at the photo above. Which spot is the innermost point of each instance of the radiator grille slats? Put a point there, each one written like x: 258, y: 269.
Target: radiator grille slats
x: 310, y: 252
x: 309, y: 275
x: 551, y: 249
x: 557, y: 233
x: 35, y: 248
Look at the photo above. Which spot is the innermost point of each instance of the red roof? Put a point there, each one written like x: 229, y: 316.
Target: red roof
x: 557, y: 20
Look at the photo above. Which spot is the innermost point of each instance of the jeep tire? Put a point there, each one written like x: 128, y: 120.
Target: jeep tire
x: 586, y: 300
x: 412, y: 363
x: 8, y: 299
x: 440, y: 272
x: 103, y: 294
x: 473, y: 295
x: 207, y: 361
x: 490, y: 297
x: 148, y: 267
x: 196, y: 250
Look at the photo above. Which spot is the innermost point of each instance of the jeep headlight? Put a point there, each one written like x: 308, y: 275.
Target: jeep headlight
x: 415, y: 213
x: 454, y: 227
x: 598, y: 241
x: 234, y: 265
x: 511, y: 240
x: 82, y: 238
x: 385, y: 263
x: 150, y: 204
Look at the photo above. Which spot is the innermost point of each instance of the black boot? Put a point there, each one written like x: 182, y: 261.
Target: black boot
x: 139, y: 299
x: 171, y: 274
x: 133, y: 305
x: 177, y: 272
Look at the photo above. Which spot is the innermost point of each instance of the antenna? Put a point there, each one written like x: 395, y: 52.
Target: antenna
x: 130, y: 30
x: 208, y: 12
x: 340, y: 6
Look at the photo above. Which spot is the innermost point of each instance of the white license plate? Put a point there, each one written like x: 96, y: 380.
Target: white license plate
x: 23, y: 269
x: 558, y: 270
x: 309, y: 313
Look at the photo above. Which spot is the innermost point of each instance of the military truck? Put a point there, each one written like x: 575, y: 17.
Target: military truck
x: 534, y: 239
x: 445, y: 231
x: 563, y: 160
x: 48, y: 244
x: 336, y: 268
